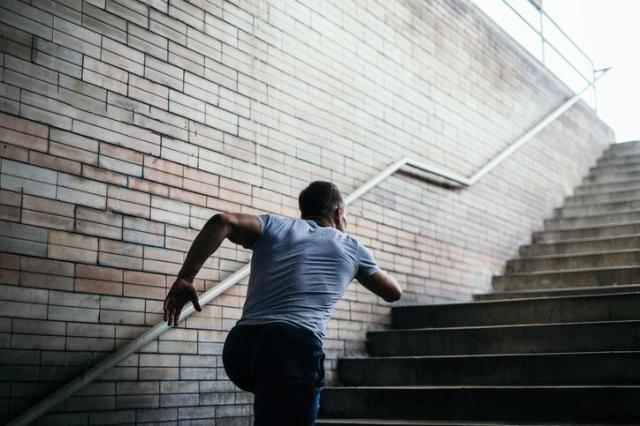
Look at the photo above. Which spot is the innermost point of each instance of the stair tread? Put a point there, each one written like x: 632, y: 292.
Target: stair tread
x: 423, y: 422
x: 512, y: 301
x: 562, y: 291
x: 503, y: 326
x: 572, y: 271
x: 601, y: 203
x: 587, y: 228
x: 518, y: 355
x: 584, y: 240
x: 581, y: 254
x: 500, y: 387
x: 592, y: 216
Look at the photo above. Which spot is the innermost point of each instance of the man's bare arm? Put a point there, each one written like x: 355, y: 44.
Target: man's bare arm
x: 382, y: 284
x: 239, y: 228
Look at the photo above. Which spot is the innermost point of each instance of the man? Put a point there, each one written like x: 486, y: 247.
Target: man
x: 299, y: 270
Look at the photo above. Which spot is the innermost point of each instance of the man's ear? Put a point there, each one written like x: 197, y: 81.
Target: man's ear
x: 336, y: 215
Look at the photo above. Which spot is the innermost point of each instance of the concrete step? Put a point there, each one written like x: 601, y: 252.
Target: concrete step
x: 619, y: 160
x: 563, y: 262
x: 603, y: 197
x: 605, y: 176
x: 623, y: 148
x: 586, y: 277
x: 589, y: 245
x: 572, y: 222
x: 591, y: 368
x: 610, y: 230
x: 558, y: 292
x: 598, y: 188
x: 507, y: 339
x: 391, y: 422
x: 364, y: 422
x: 571, y: 209
x: 580, y: 308
x: 614, y: 168
x: 595, y: 404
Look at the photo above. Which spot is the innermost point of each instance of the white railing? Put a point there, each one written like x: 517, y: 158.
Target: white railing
x: 433, y: 173
x: 527, y: 22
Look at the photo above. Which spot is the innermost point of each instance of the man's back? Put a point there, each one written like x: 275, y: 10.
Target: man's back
x: 299, y: 270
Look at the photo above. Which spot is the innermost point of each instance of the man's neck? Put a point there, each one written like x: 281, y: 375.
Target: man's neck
x: 320, y: 221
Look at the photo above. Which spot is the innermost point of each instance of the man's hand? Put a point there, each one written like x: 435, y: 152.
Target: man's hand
x: 182, y: 291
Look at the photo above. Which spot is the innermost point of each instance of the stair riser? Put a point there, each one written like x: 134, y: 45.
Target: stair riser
x: 533, y: 311
x: 623, y: 149
x: 496, y: 404
x: 607, y: 187
x: 598, y: 208
x: 609, y: 231
x: 626, y: 160
x: 604, y: 177
x: 594, y: 278
x: 585, y: 337
x: 614, y: 168
x: 524, y: 294
x: 580, y: 247
x: 530, y: 370
x: 589, y: 221
x: 604, y: 260
x: 605, y: 197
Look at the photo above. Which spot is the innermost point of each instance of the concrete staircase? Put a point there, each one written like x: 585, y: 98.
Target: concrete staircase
x: 558, y: 342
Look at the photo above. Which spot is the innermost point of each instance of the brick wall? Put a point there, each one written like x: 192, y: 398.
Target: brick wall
x: 126, y: 124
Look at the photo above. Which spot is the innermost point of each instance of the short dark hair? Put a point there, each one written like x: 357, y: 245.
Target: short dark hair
x: 320, y: 198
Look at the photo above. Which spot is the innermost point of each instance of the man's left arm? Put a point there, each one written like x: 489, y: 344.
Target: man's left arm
x: 240, y: 228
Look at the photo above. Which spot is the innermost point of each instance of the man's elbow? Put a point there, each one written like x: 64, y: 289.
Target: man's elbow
x: 393, y: 295
x: 222, y: 222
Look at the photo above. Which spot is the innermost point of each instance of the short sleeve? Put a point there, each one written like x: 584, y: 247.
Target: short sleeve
x: 367, y: 265
x: 266, y: 221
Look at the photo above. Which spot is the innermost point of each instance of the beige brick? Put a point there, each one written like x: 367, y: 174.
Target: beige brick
x: 68, y: 239
x: 147, y: 42
x: 143, y: 291
x: 103, y: 175
x: 146, y: 91
x: 168, y: 27
x: 209, y: 46
x: 145, y: 278
x: 97, y: 19
x: 23, y: 140
x: 164, y: 73
x: 131, y: 11
x: 188, y: 59
x: 187, y: 13
x: 121, y: 56
x: 128, y: 208
x: 97, y: 286
x: 47, y: 266
x: 54, y: 163
x: 98, y: 272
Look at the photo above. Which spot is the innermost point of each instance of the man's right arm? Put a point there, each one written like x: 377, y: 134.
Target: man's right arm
x: 382, y: 284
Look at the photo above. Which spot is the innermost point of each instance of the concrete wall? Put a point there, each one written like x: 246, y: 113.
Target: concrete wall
x: 126, y: 124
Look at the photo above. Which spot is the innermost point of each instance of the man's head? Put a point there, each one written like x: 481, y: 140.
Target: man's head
x: 323, y: 202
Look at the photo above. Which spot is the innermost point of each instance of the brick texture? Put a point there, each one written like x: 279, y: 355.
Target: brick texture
x: 125, y: 125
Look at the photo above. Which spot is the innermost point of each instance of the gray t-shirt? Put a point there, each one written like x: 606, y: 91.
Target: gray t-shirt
x: 299, y: 270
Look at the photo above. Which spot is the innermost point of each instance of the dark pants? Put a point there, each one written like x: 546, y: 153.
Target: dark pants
x: 283, y: 365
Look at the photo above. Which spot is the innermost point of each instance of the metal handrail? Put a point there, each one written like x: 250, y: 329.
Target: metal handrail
x: 457, y: 180
x: 546, y: 42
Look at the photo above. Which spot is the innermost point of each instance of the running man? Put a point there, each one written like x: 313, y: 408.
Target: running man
x: 300, y: 268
